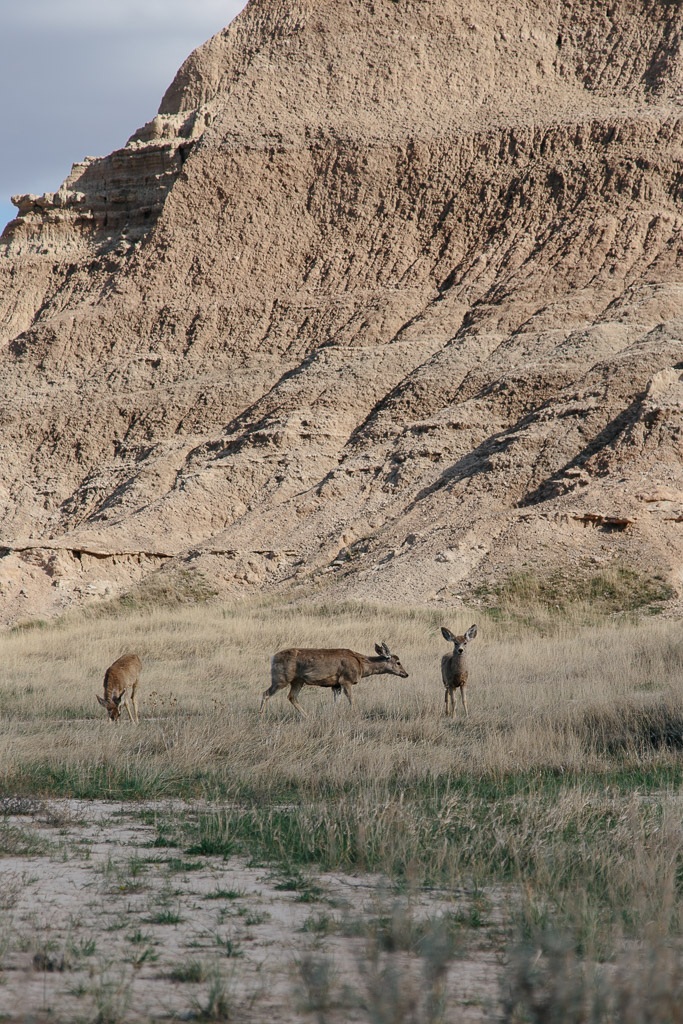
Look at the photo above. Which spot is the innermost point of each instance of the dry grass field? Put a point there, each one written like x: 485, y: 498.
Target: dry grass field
x: 545, y: 829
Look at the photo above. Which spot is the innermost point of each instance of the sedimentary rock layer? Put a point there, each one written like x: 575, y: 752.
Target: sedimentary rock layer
x: 387, y: 297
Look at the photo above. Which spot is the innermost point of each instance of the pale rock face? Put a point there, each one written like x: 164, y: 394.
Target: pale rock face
x: 374, y: 271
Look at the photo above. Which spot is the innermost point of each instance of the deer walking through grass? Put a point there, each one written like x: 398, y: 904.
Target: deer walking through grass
x: 454, y: 667
x: 120, y: 683
x: 336, y: 667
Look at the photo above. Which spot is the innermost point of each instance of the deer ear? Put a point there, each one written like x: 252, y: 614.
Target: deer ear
x: 447, y: 635
x: 101, y: 700
x: 379, y: 650
x: 385, y: 651
x: 117, y: 700
x: 471, y: 632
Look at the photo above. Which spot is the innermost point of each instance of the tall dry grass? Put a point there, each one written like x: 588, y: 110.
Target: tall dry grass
x: 584, y: 699
x: 561, y: 789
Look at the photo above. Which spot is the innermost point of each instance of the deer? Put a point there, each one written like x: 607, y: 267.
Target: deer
x: 454, y: 669
x: 335, y: 667
x: 120, y: 680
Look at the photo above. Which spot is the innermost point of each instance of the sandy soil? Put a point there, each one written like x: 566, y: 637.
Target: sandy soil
x: 98, y: 924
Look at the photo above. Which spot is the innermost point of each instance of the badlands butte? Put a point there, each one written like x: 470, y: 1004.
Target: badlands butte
x: 386, y: 302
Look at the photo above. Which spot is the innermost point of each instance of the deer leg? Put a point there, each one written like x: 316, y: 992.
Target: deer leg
x: 264, y: 697
x: 125, y: 697
x: 336, y: 693
x: 348, y: 694
x: 464, y: 701
x: 134, y: 699
x: 270, y: 692
x: 447, y: 709
x: 294, y: 692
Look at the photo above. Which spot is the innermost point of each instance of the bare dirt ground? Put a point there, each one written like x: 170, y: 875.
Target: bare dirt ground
x: 97, y: 923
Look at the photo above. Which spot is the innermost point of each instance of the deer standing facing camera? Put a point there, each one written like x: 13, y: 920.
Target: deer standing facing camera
x: 454, y: 668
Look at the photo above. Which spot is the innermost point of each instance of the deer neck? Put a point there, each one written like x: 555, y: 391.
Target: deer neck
x: 374, y: 666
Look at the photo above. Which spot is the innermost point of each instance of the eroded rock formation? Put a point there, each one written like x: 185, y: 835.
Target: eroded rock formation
x: 387, y: 297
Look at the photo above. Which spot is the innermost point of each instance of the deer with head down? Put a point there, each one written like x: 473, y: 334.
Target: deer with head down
x: 121, y: 682
x: 454, y: 667
x: 337, y: 668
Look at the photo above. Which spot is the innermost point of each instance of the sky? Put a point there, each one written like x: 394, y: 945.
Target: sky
x: 78, y: 77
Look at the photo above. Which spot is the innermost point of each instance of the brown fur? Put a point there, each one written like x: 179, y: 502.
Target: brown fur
x: 336, y: 667
x: 121, y: 682
x: 454, y: 668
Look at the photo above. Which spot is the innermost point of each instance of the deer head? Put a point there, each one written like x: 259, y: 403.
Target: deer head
x: 112, y: 706
x: 459, y: 642
x: 393, y: 665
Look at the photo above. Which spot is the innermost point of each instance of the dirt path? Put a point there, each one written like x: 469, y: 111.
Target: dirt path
x: 97, y: 923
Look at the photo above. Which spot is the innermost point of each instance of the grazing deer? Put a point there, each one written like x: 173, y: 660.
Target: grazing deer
x: 454, y: 667
x: 337, y: 667
x: 120, y: 679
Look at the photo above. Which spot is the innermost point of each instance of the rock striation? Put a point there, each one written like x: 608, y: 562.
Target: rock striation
x: 387, y: 298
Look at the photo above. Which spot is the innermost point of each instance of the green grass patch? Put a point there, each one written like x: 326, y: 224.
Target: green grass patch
x: 165, y: 916
x: 193, y: 972
x: 113, y: 781
x: 178, y: 864
x: 225, y: 894
x: 558, y: 836
x: 613, y: 590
